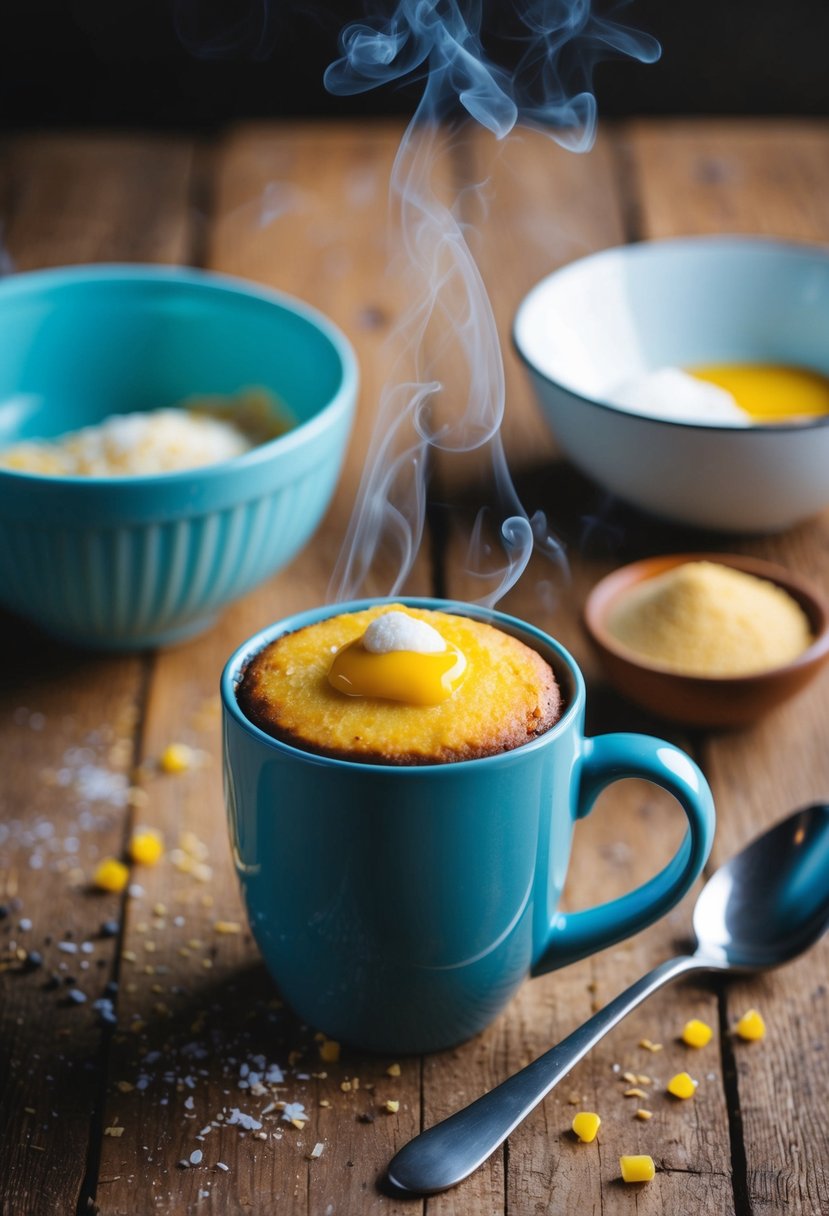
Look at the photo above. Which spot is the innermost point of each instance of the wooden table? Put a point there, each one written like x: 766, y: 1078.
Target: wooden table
x: 95, y: 1116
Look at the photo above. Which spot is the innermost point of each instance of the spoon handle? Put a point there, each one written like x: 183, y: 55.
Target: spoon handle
x: 452, y: 1150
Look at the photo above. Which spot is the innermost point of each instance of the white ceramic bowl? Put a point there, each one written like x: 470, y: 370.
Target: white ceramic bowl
x: 618, y: 314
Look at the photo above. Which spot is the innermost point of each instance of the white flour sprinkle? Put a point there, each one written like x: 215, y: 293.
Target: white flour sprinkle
x: 247, y: 1122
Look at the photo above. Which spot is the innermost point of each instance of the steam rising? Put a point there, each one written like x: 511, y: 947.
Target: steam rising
x: 450, y: 320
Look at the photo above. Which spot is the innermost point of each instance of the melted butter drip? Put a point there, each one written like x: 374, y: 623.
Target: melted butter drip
x: 399, y: 675
x: 771, y: 392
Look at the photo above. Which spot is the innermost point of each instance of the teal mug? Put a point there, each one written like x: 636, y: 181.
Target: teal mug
x: 399, y: 908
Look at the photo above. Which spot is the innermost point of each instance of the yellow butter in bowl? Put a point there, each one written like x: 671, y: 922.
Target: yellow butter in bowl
x: 770, y: 392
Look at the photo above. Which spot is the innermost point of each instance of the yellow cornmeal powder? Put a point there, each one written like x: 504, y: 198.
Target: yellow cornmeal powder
x: 705, y: 619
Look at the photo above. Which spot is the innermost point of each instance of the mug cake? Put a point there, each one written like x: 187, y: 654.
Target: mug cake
x: 389, y: 685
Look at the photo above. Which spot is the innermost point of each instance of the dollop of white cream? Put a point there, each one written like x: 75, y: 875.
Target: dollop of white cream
x: 670, y: 392
x: 398, y: 631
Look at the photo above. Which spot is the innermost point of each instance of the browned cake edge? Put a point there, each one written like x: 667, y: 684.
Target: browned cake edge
x: 259, y: 710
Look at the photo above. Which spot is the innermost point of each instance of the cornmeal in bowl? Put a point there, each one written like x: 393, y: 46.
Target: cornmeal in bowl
x: 421, y: 687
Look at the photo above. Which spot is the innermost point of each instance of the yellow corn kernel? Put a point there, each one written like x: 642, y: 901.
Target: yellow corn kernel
x: 227, y: 927
x: 146, y: 846
x: 393, y: 1070
x: 644, y: 1114
x: 330, y: 1051
x: 176, y: 758
x: 585, y: 1124
x: 751, y: 1026
x: 392, y: 1106
x: 111, y: 875
x: 696, y: 1033
x: 637, y: 1169
x: 682, y: 1086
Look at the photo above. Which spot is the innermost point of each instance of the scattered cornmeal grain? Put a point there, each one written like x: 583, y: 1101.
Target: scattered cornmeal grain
x: 330, y: 1051
x: 227, y: 927
x: 111, y: 875
x: 176, y: 758
x: 124, y: 1087
x: 393, y: 1070
x: 643, y: 1114
x: 682, y: 1085
x: 113, y: 1131
x: 751, y: 1026
x: 630, y: 1077
x: 585, y: 1124
x: 324, y: 1102
x: 146, y: 846
x: 635, y: 1092
x: 649, y: 1046
x: 643, y: 1079
x: 391, y: 1105
x: 637, y: 1169
x: 299, y: 1124
x: 696, y: 1033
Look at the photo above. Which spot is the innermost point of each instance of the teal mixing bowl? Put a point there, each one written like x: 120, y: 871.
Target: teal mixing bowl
x: 130, y: 562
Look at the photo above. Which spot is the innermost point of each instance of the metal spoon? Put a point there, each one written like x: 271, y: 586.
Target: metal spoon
x: 761, y: 909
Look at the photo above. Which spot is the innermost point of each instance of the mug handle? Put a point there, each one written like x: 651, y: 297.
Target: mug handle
x: 609, y: 758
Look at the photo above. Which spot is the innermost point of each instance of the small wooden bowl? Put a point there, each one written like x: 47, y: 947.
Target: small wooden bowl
x: 707, y: 701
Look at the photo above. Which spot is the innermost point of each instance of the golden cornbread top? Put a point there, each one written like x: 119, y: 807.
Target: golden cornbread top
x: 705, y: 619
x: 508, y: 695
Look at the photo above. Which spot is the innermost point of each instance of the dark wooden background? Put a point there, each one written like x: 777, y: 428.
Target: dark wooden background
x: 199, y: 63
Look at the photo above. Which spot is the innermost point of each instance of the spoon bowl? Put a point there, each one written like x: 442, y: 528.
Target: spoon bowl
x: 770, y: 902
x: 762, y: 908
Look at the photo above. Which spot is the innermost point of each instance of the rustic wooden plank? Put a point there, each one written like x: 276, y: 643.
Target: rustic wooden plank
x: 769, y: 178
x: 302, y: 209
x: 731, y: 175
x: 633, y: 829
x: 67, y: 728
x: 101, y: 198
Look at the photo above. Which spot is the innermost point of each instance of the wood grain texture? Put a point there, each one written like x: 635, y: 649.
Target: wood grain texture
x: 773, y: 179
x: 215, y: 1010
x: 568, y: 206
x: 303, y: 208
x: 107, y: 198
x: 67, y: 725
x: 734, y: 175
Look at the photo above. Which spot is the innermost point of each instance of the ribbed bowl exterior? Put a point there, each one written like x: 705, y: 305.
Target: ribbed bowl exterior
x: 131, y: 562
x: 148, y: 583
